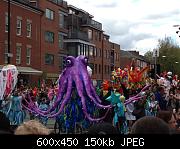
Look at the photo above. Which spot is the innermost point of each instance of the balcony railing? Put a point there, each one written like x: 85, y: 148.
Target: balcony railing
x: 60, y: 3
x: 78, y: 35
x: 91, y: 22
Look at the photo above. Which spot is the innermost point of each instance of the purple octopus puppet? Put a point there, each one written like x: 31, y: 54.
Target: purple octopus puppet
x: 74, y: 75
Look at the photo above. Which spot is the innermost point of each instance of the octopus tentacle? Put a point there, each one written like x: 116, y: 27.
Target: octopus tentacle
x: 79, y: 85
x: 61, y: 93
x: 87, y: 115
x: 94, y: 93
x: 89, y: 89
x: 67, y: 97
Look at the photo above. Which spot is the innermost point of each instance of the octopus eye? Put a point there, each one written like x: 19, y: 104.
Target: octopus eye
x: 68, y: 62
x: 86, y: 60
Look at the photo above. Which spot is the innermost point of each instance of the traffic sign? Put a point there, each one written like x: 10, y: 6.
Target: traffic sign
x: 156, y: 53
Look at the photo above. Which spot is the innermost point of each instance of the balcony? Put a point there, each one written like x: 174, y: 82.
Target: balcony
x: 78, y: 35
x: 92, y: 23
x: 60, y: 3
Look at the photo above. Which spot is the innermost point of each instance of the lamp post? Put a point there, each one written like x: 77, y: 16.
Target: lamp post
x: 9, y: 30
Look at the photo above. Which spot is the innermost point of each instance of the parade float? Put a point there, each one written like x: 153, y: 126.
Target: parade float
x: 8, y: 80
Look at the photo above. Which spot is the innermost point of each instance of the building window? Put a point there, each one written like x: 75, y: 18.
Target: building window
x: 87, y: 50
x: 49, y: 14
x: 79, y: 50
x: 99, y: 52
x: 95, y: 52
x: 91, y: 51
x: 62, y: 62
x: 28, y: 55
x: 49, y: 59
x: 60, y: 41
x: 49, y: 37
x: 29, y: 28
x: 99, y: 68
x: 6, y: 22
x: 18, y: 54
x: 6, y: 54
x: 84, y: 47
x: 96, y: 35
x: 115, y: 55
x: 95, y: 71
x: 99, y: 36
x: 108, y: 70
x: 61, y: 19
x: 104, y: 53
x: 89, y: 34
x: 18, y: 26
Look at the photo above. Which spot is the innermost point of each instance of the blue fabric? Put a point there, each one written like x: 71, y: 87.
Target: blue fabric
x: 162, y: 102
x: 13, y: 110
x: 43, y: 119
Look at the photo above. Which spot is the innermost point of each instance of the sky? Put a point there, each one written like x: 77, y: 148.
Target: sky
x: 135, y: 24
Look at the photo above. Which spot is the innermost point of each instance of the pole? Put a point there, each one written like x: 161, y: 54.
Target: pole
x: 155, y: 65
x: 9, y: 30
x: 102, y: 58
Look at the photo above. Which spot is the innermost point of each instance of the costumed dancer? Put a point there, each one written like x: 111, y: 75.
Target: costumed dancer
x: 16, y: 114
x: 117, y: 101
x: 152, y: 105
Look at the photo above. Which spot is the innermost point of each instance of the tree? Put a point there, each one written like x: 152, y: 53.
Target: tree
x: 169, y: 55
x: 149, y: 56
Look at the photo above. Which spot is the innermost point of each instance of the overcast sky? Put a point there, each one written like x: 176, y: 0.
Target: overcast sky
x: 135, y: 24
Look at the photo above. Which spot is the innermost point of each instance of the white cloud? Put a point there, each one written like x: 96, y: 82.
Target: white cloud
x: 134, y: 24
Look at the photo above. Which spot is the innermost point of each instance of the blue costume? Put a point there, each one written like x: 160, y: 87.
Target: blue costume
x: 15, y: 113
x: 44, y: 107
x: 119, y: 119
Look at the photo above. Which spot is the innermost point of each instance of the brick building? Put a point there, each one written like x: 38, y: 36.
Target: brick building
x: 86, y: 37
x: 126, y: 58
x: 25, y: 38
x: 44, y: 32
x: 53, y: 31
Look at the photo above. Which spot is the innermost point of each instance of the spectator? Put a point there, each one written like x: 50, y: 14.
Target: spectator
x: 169, y: 118
x: 32, y: 127
x: 160, y: 97
x: 150, y: 125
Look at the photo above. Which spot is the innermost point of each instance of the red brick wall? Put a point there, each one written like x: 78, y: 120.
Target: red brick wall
x: 34, y: 41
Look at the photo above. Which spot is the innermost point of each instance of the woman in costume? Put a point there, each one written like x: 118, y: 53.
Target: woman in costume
x: 152, y: 105
x: 16, y: 114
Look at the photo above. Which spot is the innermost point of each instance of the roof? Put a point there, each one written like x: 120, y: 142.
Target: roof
x: 28, y: 4
x: 130, y: 55
x: 26, y: 70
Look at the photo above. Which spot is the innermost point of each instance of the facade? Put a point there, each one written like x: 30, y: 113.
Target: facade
x: 126, y: 58
x: 44, y: 33
x: 53, y: 31
x: 25, y: 38
x: 86, y: 37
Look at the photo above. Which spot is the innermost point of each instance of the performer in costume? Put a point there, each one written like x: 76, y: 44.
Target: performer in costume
x: 152, y: 105
x: 16, y: 114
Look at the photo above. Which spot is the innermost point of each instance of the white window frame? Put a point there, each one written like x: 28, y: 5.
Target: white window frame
x: 90, y: 34
x: 61, y: 19
x: 29, y: 28
x: 28, y: 55
x: 18, y: 26
x: 6, y: 53
x: 18, y: 54
x: 49, y: 14
x: 6, y: 22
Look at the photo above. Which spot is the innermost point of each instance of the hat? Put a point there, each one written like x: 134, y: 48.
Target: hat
x: 169, y: 73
